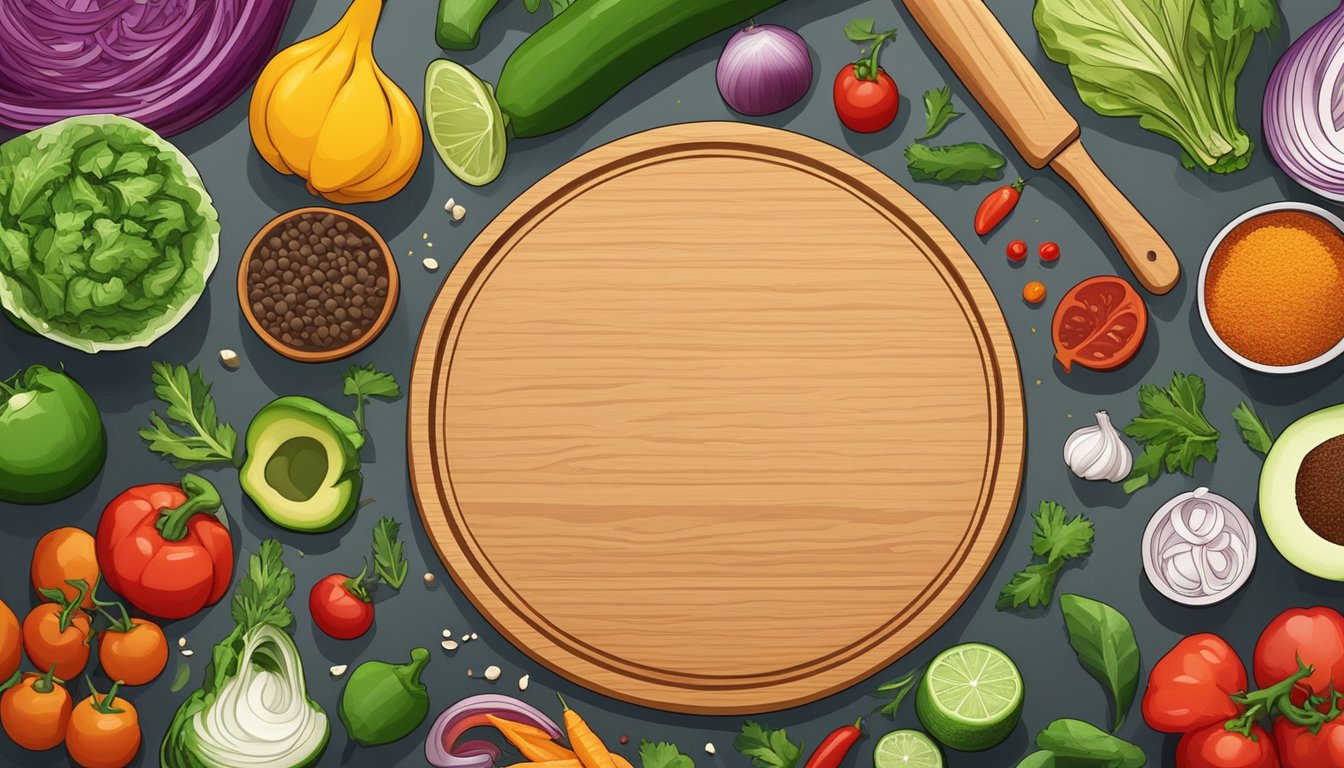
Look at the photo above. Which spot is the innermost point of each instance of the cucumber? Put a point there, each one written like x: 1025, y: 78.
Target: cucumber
x: 459, y: 23
x: 572, y: 65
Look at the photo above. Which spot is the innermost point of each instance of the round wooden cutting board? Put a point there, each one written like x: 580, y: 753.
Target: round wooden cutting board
x: 717, y: 419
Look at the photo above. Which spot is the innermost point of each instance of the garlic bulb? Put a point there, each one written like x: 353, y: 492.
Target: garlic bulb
x: 1098, y: 453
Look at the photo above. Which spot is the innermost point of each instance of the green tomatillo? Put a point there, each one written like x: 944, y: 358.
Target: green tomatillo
x: 385, y: 702
x: 52, y: 441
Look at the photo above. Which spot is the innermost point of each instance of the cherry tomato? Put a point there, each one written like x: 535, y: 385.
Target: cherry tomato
x: 1189, y: 688
x: 863, y: 105
x: 1017, y: 250
x: 57, y: 638
x: 1299, y: 748
x: 1049, y: 251
x: 11, y: 643
x: 341, y: 607
x: 65, y: 554
x: 35, y: 711
x: 104, y: 731
x: 1314, y: 634
x: 1216, y: 747
x: 1033, y: 292
x: 134, y: 653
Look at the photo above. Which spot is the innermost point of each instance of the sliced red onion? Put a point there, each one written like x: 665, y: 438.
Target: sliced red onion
x: 442, y: 748
x: 764, y: 69
x: 1304, y: 109
x: 1199, y: 548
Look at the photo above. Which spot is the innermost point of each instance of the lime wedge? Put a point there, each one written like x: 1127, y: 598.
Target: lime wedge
x: 465, y: 124
x: 971, y: 697
x: 906, y: 749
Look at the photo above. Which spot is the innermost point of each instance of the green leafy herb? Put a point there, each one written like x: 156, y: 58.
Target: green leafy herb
x: 662, y: 755
x: 365, y: 382
x: 1076, y: 743
x: 1057, y: 539
x: 965, y: 163
x: 864, y: 33
x: 1254, y: 431
x: 895, y: 692
x: 1104, y: 641
x: 1172, y: 429
x: 388, y: 561
x: 938, y: 111
x: 201, y: 437
x: 1173, y: 64
x: 767, y: 749
x: 261, y: 593
x: 1040, y: 759
x: 181, y: 676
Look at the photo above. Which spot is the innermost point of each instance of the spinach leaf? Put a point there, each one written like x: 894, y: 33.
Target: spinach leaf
x: 1077, y: 744
x: 1104, y: 641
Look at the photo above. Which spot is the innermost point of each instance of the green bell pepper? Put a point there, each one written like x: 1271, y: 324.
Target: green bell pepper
x: 52, y: 441
x: 384, y: 702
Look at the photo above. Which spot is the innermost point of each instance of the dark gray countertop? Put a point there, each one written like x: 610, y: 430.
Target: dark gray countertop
x: 1188, y: 208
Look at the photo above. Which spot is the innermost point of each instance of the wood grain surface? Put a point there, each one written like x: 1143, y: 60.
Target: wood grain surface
x: 716, y: 419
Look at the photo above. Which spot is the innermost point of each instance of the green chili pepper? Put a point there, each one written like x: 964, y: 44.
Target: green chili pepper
x: 385, y: 702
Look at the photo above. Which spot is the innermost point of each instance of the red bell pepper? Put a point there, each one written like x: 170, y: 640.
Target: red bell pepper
x: 165, y: 547
x: 1193, y: 685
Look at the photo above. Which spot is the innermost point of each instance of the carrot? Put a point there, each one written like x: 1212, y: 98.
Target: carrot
x: 535, y: 744
x: 589, y: 748
x: 620, y: 762
x: 571, y: 763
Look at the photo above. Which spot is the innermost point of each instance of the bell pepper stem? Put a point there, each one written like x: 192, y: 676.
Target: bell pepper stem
x: 410, y: 673
x: 202, y: 499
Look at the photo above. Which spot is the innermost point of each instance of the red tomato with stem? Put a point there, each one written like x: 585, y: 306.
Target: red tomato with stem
x: 165, y: 547
x: 1316, y: 635
x: 1216, y: 747
x: 341, y: 606
x: 1298, y: 747
x: 1191, y: 686
x: 866, y: 98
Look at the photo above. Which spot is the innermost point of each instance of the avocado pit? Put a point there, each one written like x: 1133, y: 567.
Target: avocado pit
x: 1320, y: 490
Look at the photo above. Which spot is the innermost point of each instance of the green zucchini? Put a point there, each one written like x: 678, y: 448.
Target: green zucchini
x: 459, y: 23
x: 572, y: 65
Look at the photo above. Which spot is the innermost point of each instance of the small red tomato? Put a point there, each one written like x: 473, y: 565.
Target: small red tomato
x: 1017, y: 250
x: 1191, y: 687
x: 863, y: 105
x: 1316, y: 636
x: 341, y: 607
x: 1049, y: 251
x: 1216, y: 747
x: 1300, y: 748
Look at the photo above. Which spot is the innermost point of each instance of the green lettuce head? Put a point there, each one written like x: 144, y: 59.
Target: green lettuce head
x: 107, y: 234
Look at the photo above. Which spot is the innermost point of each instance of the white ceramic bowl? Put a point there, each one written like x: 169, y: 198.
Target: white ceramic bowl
x: 1162, y: 533
x: 1315, y: 362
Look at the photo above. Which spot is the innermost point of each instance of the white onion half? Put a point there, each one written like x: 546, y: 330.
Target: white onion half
x: 1199, y: 548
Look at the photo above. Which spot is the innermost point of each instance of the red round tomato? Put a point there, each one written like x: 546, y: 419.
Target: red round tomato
x: 1191, y: 686
x: 863, y: 105
x: 1099, y: 324
x: 341, y: 607
x: 1299, y: 748
x: 1217, y: 747
x: 1316, y: 635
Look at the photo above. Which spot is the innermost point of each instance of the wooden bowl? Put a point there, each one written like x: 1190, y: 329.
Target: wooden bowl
x: 321, y: 355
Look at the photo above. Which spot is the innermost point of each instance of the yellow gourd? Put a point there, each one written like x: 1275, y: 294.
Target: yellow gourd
x: 324, y: 111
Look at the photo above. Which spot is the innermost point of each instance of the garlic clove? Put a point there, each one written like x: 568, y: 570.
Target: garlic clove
x: 1098, y: 452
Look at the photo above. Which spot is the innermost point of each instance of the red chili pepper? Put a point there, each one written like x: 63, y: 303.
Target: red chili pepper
x: 997, y: 206
x: 834, y: 747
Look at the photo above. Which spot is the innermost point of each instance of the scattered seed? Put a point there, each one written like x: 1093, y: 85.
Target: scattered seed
x: 625, y: 739
x: 431, y: 264
x: 429, y: 580
x: 448, y: 206
x: 492, y: 673
x: 229, y: 359
x: 447, y: 633
x: 188, y: 652
x: 429, y: 245
x: 338, y: 670
x: 449, y: 645
x: 181, y: 642
x: 424, y: 235
x: 709, y: 748
x: 458, y: 212
x: 474, y: 636
x: 523, y: 681
x: 470, y: 673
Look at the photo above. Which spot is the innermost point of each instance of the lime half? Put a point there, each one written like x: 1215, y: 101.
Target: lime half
x: 906, y: 749
x: 971, y: 697
x: 465, y: 124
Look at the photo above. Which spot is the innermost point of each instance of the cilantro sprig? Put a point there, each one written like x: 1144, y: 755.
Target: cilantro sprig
x: 938, y: 111
x: 662, y: 755
x: 1172, y: 429
x: 363, y: 382
x: 1056, y: 539
x: 1254, y: 431
x: 196, y: 435
x: 767, y: 748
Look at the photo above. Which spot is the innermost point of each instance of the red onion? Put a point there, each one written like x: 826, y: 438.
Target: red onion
x: 1304, y: 109
x: 169, y: 64
x: 442, y: 748
x: 764, y: 69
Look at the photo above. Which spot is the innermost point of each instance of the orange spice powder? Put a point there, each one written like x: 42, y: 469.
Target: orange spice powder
x: 1275, y: 288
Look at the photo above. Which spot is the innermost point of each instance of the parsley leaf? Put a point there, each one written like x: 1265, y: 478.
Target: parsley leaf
x: 1172, y: 429
x: 938, y: 111
x: 389, y: 563
x: 261, y: 593
x: 1056, y: 539
x: 767, y: 749
x: 895, y: 693
x: 363, y: 383
x: 1257, y: 434
x: 662, y: 755
x: 964, y: 163
x: 201, y: 437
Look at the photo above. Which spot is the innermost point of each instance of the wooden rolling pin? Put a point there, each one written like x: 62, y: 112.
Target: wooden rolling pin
x: 994, y: 70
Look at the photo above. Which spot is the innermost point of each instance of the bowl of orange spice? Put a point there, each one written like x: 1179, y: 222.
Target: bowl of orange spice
x: 1271, y: 289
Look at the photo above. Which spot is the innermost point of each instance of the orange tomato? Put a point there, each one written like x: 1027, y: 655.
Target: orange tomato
x: 104, y: 732
x: 11, y: 642
x: 1033, y: 292
x: 35, y: 712
x: 134, y: 656
x: 52, y: 645
x: 65, y: 553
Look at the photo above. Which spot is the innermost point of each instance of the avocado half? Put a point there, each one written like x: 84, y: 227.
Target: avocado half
x: 1302, y: 493
x: 302, y: 468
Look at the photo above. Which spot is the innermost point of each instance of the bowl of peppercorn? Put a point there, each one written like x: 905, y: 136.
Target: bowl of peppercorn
x: 317, y: 284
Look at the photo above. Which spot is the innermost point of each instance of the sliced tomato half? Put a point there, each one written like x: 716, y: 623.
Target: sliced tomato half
x: 1099, y: 324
